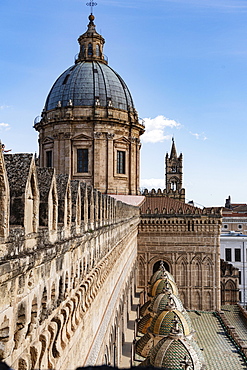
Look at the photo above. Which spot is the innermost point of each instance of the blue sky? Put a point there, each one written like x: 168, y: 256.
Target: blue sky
x: 184, y: 61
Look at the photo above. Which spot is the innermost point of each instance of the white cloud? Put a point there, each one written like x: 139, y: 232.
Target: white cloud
x: 155, y: 128
x: 4, y: 107
x: 201, y: 136
x: 4, y: 126
x: 152, y: 184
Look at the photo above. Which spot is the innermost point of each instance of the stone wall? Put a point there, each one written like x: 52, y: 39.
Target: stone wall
x: 65, y: 288
x: 186, y: 238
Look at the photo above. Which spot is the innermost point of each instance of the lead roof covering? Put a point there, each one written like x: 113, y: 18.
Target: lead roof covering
x: 87, y: 82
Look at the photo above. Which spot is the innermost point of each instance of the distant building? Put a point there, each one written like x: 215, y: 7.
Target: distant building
x: 233, y: 249
x: 234, y: 217
x: 233, y: 242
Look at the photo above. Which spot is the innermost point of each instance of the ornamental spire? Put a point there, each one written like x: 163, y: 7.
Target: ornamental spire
x: 91, y: 42
x: 173, y: 150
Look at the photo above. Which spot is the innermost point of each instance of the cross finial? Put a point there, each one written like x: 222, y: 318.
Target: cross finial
x: 91, y: 4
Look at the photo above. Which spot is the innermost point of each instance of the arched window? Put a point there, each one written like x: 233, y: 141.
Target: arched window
x: 90, y: 50
x: 157, y: 266
x: 173, y: 185
x: 97, y: 50
x: 82, y: 51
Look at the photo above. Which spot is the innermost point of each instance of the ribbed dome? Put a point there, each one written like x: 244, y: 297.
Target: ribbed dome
x: 90, y: 83
x: 161, y: 274
x: 171, y: 353
x: 163, y: 322
x: 160, y: 302
x: 160, y: 285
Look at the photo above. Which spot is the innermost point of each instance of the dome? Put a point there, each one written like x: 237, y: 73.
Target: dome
x: 163, y: 322
x: 144, y: 345
x: 144, y: 323
x: 161, y: 273
x: 144, y: 309
x: 89, y: 83
x: 161, y: 285
x: 162, y: 300
x: 173, y: 353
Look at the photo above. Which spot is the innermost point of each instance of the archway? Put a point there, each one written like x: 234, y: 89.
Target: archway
x: 156, y: 266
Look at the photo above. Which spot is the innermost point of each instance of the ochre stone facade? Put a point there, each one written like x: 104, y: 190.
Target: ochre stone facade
x: 187, y: 240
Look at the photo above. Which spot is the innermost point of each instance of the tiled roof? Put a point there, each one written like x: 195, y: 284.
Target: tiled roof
x: 45, y: 176
x: 236, y: 208
x: 166, y: 205
x: 18, y: 167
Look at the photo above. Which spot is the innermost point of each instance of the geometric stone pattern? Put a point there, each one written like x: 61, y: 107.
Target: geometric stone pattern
x: 187, y: 240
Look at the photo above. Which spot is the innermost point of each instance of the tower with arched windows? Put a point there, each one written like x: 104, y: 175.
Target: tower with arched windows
x: 174, y: 170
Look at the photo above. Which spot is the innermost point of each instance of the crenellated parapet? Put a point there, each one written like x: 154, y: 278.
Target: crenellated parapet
x: 64, y: 275
x: 178, y: 194
x: 43, y: 203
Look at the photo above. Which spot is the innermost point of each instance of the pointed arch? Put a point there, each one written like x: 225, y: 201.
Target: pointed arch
x: 208, y: 272
x: 196, y: 272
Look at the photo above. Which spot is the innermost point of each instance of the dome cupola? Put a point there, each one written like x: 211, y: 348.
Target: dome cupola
x: 91, y: 44
x: 89, y: 126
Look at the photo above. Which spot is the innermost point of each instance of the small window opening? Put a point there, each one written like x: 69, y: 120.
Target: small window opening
x: 237, y: 255
x: 228, y: 254
x: 173, y: 185
x: 82, y: 160
x: 97, y: 51
x: 49, y: 158
x: 120, y: 162
x: 66, y: 79
x: 90, y: 50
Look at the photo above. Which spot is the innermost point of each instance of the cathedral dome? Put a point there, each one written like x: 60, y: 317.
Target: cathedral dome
x: 89, y: 127
x: 89, y: 83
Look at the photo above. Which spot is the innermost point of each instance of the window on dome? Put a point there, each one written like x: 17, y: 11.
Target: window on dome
x: 82, y: 50
x: 66, y: 79
x: 97, y: 51
x: 82, y: 160
x: 90, y: 50
x: 49, y: 158
x: 120, y: 162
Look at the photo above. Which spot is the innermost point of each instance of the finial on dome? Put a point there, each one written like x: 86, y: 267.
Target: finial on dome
x: 91, y: 42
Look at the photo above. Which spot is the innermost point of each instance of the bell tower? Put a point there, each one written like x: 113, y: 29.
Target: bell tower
x: 174, y: 174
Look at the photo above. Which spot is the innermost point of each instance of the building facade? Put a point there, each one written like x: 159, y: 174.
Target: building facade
x: 71, y: 256
x: 89, y: 127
